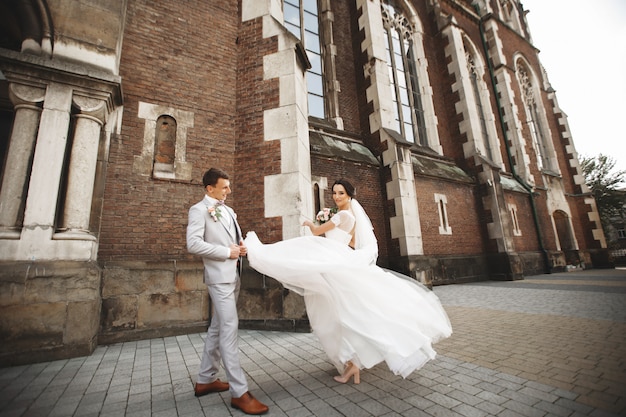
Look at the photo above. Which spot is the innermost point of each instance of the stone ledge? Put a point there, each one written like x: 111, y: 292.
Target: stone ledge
x: 281, y: 325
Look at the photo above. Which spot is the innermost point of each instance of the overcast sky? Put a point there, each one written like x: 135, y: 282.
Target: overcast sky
x: 583, y: 49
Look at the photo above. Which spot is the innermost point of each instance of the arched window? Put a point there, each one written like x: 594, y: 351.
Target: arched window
x: 403, y: 75
x: 534, y: 120
x: 564, y: 230
x: 509, y: 13
x: 302, y: 19
x: 164, y: 150
x: 482, y: 143
x: 317, y: 202
x: 165, y: 138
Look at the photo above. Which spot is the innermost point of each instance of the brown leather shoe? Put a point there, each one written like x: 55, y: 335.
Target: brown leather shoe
x: 215, y: 386
x: 249, y: 405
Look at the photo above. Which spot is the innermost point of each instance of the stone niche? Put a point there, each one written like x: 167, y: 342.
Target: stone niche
x: 49, y: 310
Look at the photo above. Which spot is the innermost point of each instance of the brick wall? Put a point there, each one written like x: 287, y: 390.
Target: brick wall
x: 179, y: 60
x: 254, y: 157
x: 467, y: 236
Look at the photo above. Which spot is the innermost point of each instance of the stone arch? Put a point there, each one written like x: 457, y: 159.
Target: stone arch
x: 564, y: 232
x: 510, y: 14
x: 165, y: 143
x: 409, y: 25
x: 535, y: 115
x: 26, y: 26
x: 484, y: 129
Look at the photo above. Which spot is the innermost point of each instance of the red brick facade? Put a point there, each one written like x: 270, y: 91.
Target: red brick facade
x: 231, y: 78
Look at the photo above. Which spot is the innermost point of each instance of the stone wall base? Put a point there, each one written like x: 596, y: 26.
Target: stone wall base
x: 432, y: 270
x: 441, y: 270
x: 49, y: 310
x: 57, y: 310
x: 142, y: 300
x: 281, y: 325
x: 598, y: 258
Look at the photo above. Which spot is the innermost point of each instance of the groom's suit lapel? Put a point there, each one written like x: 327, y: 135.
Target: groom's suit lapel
x: 226, y: 221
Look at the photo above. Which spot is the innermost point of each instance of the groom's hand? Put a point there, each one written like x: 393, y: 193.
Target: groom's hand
x: 235, y: 251
x: 243, y: 250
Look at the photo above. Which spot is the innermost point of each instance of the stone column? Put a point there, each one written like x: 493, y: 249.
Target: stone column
x: 45, y: 177
x: 82, y: 167
x: 19, y: 159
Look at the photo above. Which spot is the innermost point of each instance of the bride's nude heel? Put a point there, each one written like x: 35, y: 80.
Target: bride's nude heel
x: 349, y: 372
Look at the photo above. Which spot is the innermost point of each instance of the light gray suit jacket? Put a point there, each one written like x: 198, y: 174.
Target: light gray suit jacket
x: 211, y: 240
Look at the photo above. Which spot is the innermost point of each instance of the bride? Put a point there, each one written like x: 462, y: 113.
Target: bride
x: 362, y: 314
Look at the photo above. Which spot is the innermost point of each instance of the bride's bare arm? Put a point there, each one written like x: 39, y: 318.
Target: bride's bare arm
x: 319, y: 230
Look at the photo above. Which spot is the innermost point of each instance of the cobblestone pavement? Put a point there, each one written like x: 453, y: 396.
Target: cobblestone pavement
x: 548, y: 345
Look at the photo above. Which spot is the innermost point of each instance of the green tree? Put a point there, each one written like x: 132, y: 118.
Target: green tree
x: 604, y: 182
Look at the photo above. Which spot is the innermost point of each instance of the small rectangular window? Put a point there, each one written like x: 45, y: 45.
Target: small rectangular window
x: 516, y: 229
x: 444, y: 225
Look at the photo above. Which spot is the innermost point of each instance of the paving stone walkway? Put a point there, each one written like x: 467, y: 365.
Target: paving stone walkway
x: 548, y: 345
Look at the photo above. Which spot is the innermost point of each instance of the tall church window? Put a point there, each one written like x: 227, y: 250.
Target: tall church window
x: 509, y: 12
x: 302, y: 19
x: 483, y: 144
x: 534, y: 120
x: 403, y: 75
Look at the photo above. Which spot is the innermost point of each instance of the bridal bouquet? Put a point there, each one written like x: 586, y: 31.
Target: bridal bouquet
x: 325, y: 214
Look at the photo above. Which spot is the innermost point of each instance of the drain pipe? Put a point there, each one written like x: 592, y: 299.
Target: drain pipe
x: 520, y: 180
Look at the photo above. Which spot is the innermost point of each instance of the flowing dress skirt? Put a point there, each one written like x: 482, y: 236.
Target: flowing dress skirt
x: 359, y: 312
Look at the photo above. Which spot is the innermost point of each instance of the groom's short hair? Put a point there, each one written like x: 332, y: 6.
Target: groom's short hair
x: 212, y: 175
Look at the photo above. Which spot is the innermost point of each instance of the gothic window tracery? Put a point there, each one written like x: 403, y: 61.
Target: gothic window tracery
x: 403, y: 75
x: 533, y: 117
x: 509, y: 13
x: 483, y: 145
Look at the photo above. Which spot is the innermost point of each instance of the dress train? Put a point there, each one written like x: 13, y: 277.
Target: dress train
x: 359, y: 312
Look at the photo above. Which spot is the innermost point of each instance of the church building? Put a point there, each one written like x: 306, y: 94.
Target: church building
x: 438, y: 111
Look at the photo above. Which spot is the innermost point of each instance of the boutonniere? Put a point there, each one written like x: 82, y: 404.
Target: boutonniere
x: 325, y: 214
x: 215, y: 212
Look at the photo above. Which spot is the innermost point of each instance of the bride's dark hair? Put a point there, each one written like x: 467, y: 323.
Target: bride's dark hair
x: 346, y: 184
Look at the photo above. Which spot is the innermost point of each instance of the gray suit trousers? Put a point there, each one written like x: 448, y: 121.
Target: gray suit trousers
x: 222, y: 340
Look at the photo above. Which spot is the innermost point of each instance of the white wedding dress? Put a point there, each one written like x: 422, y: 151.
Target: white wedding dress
x: 358, y: 311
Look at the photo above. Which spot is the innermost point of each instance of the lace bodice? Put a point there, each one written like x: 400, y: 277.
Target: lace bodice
x: 344, y: 227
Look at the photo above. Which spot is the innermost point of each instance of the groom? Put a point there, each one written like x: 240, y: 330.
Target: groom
x: 214, y: 234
